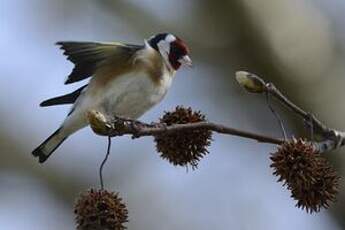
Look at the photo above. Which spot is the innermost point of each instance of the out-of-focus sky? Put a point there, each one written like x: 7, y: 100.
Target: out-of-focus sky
x: 297, y: 44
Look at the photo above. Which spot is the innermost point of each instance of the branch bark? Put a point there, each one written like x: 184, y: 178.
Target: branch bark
x: 118, y: 126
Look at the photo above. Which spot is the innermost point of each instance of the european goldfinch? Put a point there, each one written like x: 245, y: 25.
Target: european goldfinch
x: 127, y: 80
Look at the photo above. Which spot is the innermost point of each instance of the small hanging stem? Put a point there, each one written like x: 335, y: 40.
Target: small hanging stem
x: 103, y: 163
x: 268, y: 101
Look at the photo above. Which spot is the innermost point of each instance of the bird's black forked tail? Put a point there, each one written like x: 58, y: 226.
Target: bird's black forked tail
x: 44, y: 151
x: 64, y: 99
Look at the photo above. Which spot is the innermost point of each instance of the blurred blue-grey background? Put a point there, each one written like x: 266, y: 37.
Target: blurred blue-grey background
x: 297, y: 44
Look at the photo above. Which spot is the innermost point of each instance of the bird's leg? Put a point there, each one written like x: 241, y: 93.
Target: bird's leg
x: 128, y: 124
x: 127, y: 120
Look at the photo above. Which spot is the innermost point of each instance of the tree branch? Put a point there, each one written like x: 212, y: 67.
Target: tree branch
x: 117, y: 126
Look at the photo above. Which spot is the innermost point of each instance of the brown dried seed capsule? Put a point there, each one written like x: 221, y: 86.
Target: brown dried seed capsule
x: 309, y: 176
x: 100, y: 209
x: 187, y: 147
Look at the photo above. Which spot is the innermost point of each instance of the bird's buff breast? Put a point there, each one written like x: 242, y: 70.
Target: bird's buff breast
x: 131, y: 95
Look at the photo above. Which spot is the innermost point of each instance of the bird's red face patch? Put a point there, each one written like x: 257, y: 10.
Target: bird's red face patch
x: 178, y: 49
x: 173, y: 49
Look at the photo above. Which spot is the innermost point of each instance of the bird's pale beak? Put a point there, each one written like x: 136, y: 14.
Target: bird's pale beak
x: 186, y: 61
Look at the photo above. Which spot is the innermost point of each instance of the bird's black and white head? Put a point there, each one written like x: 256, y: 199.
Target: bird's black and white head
x: 173, y: 49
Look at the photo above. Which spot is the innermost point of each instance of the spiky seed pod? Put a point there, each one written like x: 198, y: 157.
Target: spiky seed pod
x: 185, y: 148
x: 308, y: 175
x: 100, y: 209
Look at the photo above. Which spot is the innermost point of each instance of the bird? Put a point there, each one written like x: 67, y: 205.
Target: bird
x: 126, y: 80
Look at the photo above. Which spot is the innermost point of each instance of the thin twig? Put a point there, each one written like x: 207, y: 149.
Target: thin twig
x: 103, y: 163
x: 276, y: 115
x: 311, y: 127
x: 318, y: 125
x: 331, y: 138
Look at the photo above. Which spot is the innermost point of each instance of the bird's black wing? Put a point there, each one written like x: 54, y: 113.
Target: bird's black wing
x: 64, y: 99
x: 88, y: 56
